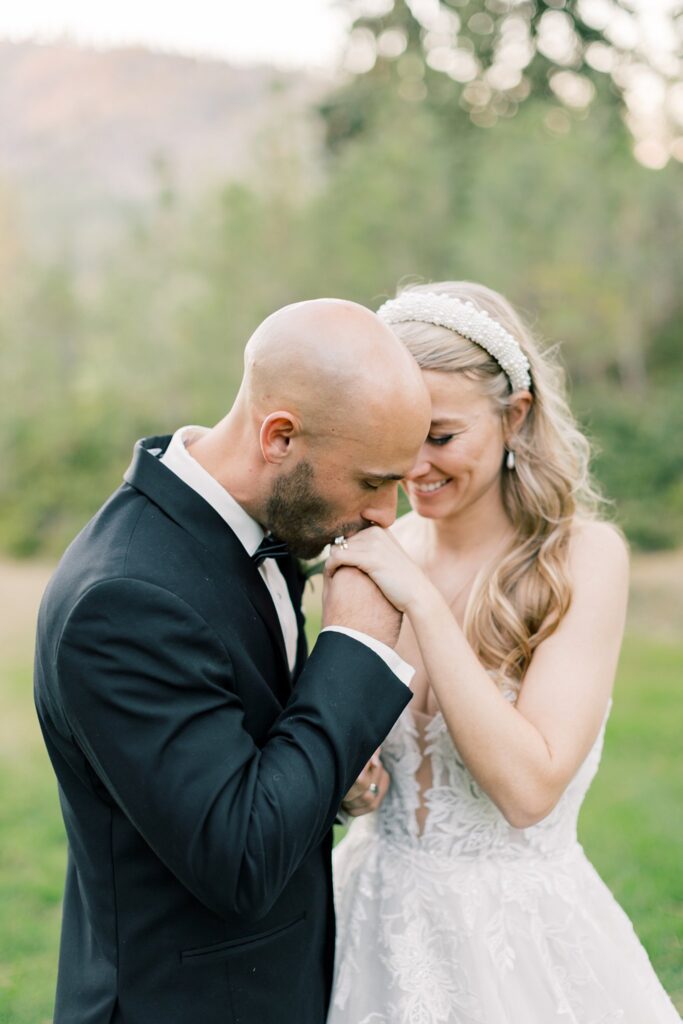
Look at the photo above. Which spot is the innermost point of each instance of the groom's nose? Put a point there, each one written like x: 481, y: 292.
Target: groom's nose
x: 381, y: 508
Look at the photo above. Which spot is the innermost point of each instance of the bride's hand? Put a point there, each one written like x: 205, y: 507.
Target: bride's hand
x: 368, y: 790
x: 379, y: 554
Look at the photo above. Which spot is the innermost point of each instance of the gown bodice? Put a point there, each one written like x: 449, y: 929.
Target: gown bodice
x: 435, y: 806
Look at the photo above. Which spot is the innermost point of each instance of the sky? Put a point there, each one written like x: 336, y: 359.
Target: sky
x: 288, y: 33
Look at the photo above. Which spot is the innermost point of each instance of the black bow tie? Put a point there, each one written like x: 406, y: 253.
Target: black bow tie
x: 270, y: 547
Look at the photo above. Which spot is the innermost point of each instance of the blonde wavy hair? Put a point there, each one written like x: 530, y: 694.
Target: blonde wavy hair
x: 518, y: 602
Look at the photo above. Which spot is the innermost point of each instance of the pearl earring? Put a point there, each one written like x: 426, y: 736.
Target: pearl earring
x: 510, y: 460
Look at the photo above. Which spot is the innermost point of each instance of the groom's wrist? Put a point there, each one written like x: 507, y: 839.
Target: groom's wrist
x: 391, y: 659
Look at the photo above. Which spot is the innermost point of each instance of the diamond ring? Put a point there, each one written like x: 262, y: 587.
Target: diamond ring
x: 341, y: 542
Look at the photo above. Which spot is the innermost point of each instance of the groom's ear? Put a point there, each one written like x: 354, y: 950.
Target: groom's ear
x: 276, y: 434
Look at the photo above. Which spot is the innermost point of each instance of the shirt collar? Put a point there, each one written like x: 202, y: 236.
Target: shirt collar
x: 178, y: 459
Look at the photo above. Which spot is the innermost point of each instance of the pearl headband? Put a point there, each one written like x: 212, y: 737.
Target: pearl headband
x: 467, y: 320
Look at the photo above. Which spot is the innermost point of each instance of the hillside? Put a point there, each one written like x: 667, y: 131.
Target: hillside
x: 86, y: 134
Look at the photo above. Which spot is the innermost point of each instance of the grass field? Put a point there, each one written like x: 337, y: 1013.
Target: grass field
x: 631, y: 825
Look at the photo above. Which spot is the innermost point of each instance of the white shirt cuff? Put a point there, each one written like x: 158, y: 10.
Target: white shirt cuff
x: 398, y: 666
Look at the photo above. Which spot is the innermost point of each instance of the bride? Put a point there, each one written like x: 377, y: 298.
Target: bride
x: 467, y: 899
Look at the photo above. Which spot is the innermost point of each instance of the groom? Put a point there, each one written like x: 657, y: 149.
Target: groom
x: 201, y: 758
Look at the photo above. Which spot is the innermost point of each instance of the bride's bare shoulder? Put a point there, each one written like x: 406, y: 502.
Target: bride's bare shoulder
x: 597, y: 545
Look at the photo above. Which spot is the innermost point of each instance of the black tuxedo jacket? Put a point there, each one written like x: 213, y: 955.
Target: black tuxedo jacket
x: 198, y: 780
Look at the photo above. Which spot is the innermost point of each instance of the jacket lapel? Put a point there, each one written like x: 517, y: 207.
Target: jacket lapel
x: 227, y: 556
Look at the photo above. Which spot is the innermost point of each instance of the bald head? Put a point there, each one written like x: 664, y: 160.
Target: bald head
x: 332, y: 363
x: 331, y: 414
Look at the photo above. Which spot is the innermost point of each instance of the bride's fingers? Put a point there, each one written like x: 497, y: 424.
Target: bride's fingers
x: 345, y: 556
x: 376, y: 541
x: 365, y: 544
x: 356, y: 803
x: 364, y: 781
x: 373, y: 551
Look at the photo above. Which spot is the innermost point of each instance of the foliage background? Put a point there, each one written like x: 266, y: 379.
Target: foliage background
x: 410, y: 174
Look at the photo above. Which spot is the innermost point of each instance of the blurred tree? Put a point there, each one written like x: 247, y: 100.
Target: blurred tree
x: 639, y: 460
x: 484, y: 58
x: 566, y: 224
x: 577, y: 234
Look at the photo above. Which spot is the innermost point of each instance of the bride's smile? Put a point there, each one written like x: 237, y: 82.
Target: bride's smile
x: 461, y: 461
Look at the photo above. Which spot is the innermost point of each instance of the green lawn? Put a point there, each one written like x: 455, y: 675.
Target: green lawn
x: 631, y: 827
x: 631, y: 824
x: 32, y: 859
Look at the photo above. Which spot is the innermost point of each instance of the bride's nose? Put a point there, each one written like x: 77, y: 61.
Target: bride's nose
x: 422, y: 466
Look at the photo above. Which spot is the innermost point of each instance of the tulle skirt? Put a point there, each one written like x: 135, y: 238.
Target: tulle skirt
x: 426, y: 939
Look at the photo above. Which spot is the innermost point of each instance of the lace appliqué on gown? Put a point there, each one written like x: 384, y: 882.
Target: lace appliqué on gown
x: 446, y: 914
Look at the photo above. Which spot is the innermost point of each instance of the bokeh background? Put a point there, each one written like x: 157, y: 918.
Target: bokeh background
x: 168, y: 180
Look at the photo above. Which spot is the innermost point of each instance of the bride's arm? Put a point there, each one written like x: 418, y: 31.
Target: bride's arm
x: 523, y: 756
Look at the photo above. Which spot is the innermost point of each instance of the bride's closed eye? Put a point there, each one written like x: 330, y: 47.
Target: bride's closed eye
x: 442, y: 439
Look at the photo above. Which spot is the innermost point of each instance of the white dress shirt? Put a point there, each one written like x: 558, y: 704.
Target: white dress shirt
x: 179, y: 460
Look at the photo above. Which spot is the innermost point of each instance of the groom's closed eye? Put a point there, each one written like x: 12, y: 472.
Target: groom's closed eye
x: 373, y: 483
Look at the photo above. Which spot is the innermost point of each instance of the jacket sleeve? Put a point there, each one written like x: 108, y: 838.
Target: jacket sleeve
x: 148, y: 692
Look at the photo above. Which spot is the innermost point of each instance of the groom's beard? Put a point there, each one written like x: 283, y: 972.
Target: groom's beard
x: 298, y: 514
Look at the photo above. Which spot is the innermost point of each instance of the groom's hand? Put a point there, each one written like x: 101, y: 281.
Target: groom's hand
x: 351, y: 599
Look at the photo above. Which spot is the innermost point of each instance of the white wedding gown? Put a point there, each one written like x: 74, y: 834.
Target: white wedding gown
x: 446, y: 914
